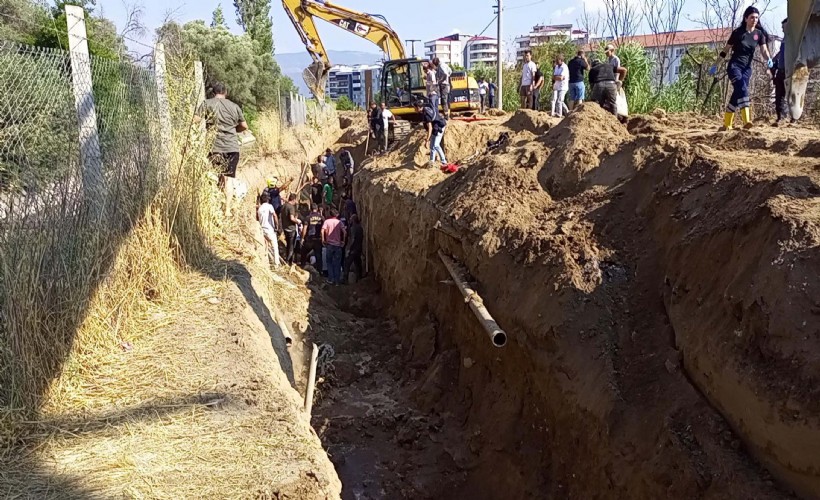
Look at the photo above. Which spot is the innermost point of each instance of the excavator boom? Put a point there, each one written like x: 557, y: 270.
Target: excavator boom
x: 802, y: 50
x: 371, y: 27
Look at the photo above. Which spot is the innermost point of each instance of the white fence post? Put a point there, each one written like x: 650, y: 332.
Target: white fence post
x: 199, y: 77
x: 160, y: 72
x: 90, y: 155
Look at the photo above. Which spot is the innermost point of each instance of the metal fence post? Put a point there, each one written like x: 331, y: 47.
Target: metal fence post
x: 90, y: 155
x: 164, y: 107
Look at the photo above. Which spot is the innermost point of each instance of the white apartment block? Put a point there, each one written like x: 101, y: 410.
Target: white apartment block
x: 449, y: 49
x: 350, y: 81
x: 542, y: 34
x: 480, y: 50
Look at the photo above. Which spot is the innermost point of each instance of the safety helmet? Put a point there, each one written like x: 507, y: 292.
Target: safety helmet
x: 273, y: 182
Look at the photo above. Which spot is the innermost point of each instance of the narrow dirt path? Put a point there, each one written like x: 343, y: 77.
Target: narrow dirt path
x: 382, y: 444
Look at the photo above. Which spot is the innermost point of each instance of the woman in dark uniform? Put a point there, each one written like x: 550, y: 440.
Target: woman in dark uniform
x: 742, y: 42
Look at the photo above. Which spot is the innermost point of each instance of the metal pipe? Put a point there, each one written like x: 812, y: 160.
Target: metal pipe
x: 473, y: 299
x: 314, y: 359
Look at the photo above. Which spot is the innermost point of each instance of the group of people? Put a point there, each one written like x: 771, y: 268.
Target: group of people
x: 320, y: 232
x: 605, y: 77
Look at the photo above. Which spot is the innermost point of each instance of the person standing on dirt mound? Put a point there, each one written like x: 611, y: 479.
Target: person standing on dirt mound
x: 781, y: 107
x: 527, y: 80
x: 743, y: 42
x: 577, y: 67
x: 435, y: 124
x: 376, y: 121
x: 443, y: 73
x: 387, y: 119
x: 333, y: 238
x: 560, y: 73
x: 538, y: 84
x: 604, y: 87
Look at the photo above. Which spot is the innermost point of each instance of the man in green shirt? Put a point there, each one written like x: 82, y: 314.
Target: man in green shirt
x: 227, y: 118
x: 328, y: 195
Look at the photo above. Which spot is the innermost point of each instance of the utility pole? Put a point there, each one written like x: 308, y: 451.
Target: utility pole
x: 499, y: 62
x: 412, y: 45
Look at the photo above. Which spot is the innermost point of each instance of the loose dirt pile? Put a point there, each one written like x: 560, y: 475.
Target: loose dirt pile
x: 658, y: 286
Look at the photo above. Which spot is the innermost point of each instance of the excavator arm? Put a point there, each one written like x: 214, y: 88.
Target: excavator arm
x: 371, y: 27
x: 802, y: 50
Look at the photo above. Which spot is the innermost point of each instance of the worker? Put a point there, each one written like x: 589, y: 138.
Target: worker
x: 312, y: 237
x: 742, y: 42
x: 781, y: 107
x: 376, y: 121
x: 483, y: 89
x: 327, y: 195
x: 330, y: 166
x: 387, y: 119
x: 431, y: 84
x: 290, y: 219
x: 538, y: 84
x: 577, y: 66
x: 333, y: 237
x: 604, y: 87
x: 560, y: 76
x: 274, y: 191
x: 492, y: 89
x: 615, y: 61
x: 435, y: 125
x: 347, y: 166
x: 443, y: 73
x: 353, y: 263
x: 266, y: 216
x: 316, y: 189
x: 527, y: 80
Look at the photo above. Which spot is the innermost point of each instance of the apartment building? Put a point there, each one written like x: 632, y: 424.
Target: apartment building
x: 449, y: 49
x: 480, y: 50
x: 350, y: 81
x: 542, y: 34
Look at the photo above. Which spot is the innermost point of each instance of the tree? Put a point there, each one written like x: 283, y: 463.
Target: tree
x: 254, y: 18
x: 456, y: 67
x: 591, y: 23
x: 663, y: 17
x: 481, y: 70
x: 344, y: 103
x: 622, y: 18
x: 218, y: 18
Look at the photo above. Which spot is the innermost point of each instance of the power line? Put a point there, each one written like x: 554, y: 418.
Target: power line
x: 525, y: 5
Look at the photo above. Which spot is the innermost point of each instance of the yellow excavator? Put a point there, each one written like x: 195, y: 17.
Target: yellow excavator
x: 802, y: 50
x: 402, y: 79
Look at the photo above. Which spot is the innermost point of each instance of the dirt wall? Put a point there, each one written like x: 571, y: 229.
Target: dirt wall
x: 657, y: 293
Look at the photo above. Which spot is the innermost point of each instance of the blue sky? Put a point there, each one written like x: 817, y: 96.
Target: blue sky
x: 420, y: 19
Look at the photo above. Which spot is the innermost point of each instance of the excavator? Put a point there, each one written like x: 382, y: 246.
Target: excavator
x: 802, y: 50
x: 402, y: 78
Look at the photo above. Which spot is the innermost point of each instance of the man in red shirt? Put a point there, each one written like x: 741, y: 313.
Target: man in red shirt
x: 333, y: 238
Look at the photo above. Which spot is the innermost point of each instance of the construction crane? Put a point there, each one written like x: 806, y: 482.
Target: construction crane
x: 802, y: 50
x: 402, y: 79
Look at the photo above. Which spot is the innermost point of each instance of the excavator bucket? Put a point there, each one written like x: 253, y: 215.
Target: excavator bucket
x: 315, y: 77
x: 802, y: 33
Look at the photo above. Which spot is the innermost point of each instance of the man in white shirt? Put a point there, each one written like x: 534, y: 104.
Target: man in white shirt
x: 388, y: 118
x: 560, y: 76
x: 432, y: 84
x: 443, y: 73
x: 527, y: 80
x: 266, y: 215
x: 483, y: 88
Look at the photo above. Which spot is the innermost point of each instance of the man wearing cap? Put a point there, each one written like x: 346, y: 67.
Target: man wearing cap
x: 274, y: 191
x: 604, y: 89
x: 615, y: 61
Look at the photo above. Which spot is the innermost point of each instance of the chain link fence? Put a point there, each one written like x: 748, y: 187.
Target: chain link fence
x: 76, y: 172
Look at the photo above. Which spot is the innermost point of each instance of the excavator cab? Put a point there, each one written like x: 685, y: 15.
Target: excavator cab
x: 402, y: 83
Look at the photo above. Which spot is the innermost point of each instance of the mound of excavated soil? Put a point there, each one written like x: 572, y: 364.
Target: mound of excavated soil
x: 660, y: 298
x: 537, y: 122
